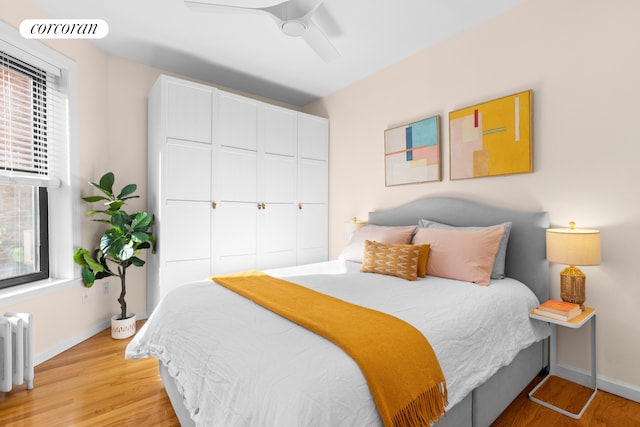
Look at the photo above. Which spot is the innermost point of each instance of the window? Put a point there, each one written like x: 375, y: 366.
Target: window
x: 24, y: 250
x: 37, y: 215
x: 23, y: 150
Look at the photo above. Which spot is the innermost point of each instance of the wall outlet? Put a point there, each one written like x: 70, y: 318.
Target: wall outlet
x: 105, y: 288
x: 85, y: 296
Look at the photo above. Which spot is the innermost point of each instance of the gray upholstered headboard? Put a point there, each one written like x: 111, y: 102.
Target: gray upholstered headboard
x: 526, y: 249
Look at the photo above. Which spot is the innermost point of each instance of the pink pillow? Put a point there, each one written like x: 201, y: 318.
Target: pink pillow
x: 461, y: 254
x: 376, y: 233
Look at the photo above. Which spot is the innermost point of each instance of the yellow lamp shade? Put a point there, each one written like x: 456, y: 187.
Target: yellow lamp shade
x: 573, y: 246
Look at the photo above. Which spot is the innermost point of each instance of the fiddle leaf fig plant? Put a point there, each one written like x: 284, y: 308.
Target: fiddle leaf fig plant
x: 121, y: 243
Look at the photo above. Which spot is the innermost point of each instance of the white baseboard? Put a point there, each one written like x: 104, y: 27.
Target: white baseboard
x: 69, y: 342
x: 609, y: 385
x: 75, y: 340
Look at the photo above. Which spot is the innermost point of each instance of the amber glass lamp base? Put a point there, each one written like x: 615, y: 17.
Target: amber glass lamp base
x: 572, y: 285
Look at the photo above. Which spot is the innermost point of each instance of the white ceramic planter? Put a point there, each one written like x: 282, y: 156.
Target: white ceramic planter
x: 123, y: 328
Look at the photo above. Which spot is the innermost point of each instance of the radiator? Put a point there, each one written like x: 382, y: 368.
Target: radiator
x: 16, y: 350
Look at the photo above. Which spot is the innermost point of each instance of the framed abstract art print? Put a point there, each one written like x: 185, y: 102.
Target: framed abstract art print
x: 492, y: 138
x: 412, y: 152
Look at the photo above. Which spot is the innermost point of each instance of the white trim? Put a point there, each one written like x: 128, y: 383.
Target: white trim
x: 70, y: 342
x: 17, y: 178
x: 35, y: 55
x: 17, y: 294
x: 65, y: 345
x: 64, y: 214
x: 610, y: 385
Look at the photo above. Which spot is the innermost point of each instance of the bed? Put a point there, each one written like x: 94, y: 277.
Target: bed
x: 226, y: 361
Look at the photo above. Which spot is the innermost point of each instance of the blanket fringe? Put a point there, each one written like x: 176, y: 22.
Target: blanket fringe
x: 424, y: 410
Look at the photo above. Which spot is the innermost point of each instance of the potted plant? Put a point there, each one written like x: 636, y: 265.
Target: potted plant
x: 118, y: 248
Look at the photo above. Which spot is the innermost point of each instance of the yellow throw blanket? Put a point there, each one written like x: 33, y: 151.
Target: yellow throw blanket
x: 401, y: 369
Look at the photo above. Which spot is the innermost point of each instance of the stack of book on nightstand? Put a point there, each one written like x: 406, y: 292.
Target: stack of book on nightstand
x: 559, y: 310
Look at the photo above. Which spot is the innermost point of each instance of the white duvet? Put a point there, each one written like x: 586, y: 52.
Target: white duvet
x: 238, y: 364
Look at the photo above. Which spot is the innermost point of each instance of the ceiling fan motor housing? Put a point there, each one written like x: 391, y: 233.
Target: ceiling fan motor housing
x: 293, y: 28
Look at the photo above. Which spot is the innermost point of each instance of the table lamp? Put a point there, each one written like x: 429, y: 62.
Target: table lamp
x: 352, y: 226
x: 573, y: 246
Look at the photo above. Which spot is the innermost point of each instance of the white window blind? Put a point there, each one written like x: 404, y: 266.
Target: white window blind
x: 29, y: 104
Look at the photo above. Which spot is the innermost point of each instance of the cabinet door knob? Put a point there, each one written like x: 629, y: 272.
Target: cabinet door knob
x: 264, y: 206
x: 300, y: 206
x: 259, y: 205
x: 214, y: 205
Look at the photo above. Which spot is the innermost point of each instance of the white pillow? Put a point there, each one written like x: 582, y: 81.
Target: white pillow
x: 375, y: 233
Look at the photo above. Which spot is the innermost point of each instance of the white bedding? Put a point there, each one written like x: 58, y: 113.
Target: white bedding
x: 238, y: 364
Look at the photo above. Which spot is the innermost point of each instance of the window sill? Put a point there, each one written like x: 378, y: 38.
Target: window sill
x: 20, y: 293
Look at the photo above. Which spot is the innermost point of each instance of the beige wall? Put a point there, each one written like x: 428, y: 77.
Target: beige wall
x: 580, y: 59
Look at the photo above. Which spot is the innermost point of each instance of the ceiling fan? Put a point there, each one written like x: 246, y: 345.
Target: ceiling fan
x: 293, y: 17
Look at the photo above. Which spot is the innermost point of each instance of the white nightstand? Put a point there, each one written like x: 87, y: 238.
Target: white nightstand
x: 589, y: 314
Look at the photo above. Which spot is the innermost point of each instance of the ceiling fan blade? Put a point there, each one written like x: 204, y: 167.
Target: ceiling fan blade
x: 280, y: 9
x: 294, y: 9
x: 296, y: 12
x: 318, y: 41
x: 240, y: 4
x: 210, y: 7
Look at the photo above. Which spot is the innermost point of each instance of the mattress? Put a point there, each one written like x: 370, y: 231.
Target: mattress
x: 238, y: 364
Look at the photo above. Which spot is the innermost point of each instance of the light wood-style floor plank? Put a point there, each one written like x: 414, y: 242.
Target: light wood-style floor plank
x: 92, y: 385
x: 606, y: 409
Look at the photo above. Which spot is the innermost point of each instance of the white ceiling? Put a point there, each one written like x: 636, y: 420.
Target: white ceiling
x: 248, y: 52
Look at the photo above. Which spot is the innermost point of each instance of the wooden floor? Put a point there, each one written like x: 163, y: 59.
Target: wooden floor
x: 606, y: 409
x: 92, y: 385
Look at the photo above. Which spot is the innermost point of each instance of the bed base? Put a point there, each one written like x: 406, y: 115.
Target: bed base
x: 175, y: 397
x: 478, y: 409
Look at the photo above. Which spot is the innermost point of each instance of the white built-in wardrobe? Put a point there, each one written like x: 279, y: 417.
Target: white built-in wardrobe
x: 234, y: 184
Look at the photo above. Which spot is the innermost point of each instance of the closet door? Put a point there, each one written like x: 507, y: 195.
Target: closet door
x: 188, y: 111
x: 313, y: 188
x: 277, y: 138
x: 234, y: 242
x: 187, y: 213
x: 179, y: 184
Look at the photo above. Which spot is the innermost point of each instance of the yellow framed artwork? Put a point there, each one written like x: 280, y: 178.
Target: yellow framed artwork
x: 492, y: 138
x: 412, y: 152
